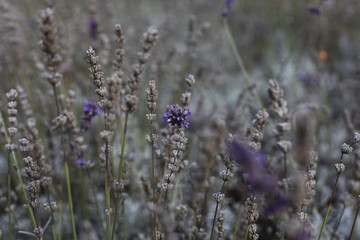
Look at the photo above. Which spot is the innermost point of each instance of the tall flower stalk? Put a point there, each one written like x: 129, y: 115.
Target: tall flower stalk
x: 51, y: 47
x: 129, y: 101
x: 340, y: 168
x: 151, y: 98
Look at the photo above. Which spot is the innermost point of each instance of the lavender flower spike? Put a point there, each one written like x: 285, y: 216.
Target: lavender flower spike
x: 177, y: 115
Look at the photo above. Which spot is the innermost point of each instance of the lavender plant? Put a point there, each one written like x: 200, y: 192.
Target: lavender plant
x: 193, y: 141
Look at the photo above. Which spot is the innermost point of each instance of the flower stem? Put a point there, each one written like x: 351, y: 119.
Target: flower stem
x: 239, y: 59
x: 123, y: 141
x: 70, y: 199
x: 335, y: 228
x: 328, y: 209
x: 355, y: 218
x: 216, y: 210
x: 16, y: 166
x: 9, y: 201
x: 67, y: 175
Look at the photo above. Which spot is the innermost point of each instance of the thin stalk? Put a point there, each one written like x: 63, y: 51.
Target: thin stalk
x: 60, y: 219
x: 237, y: 223
x: 216, y: 210
x: 53, y: 226
x: 328, y: 209
x: 123, y: 140
x: 285, y: 166
x: 123, y: 147
x: 70, y: 199
x: 107, y: 215
x: 153, y: 180
x: 96, y: 201
x: 123, y: 215
x: 247, y: 232
x: 66, y: 166
x: 239, y: 59
x: 355, y: 218
x: 9, y: 200
x: 338, y: 223
x: 107, y: 189
x: 16, y: 166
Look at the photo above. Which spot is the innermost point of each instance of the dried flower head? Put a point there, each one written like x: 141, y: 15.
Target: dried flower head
x: 346, y: 148
x: 177, y: 115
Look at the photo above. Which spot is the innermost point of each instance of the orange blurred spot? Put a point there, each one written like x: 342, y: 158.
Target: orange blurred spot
x: 323, y: 55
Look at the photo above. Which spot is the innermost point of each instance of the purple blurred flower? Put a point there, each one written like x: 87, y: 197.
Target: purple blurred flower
x: 307, y: 79
x: 80, y: 160
x: 93, y: 29
x: 314, y: 10
x: 300, y: 235
x: 254, y: 165
x: 177, y: 115
x: 227, y: 6
x: 90, y: 111
x: 276, y: 205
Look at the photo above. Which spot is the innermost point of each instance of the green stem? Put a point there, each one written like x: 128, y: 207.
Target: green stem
x: 354, y: 222
x: 239, y: 59
x: 70, y: 199
x: 153, y: 180
x: 96, y: 201
x: 53, y: 226
x: 328, y: 209
x: 216, y: 210
x: 9, y: 206
x: 123, y: 215
x: 60, y: 219
x: 107, y: 214
x: 123, y: 140
x: 16, y: 166
x: 123, y: 147
x: 237, y: 223
x: 338, y: 223
x: 247, y: 232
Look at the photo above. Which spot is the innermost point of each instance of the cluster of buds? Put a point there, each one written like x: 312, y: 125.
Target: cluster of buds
x: 178, y: 141
x: 254, y: 133
x: 346, y: 149
x: 32, y: 174
x: 151, y: 97
x: 251, y: 217
x: 309, y: 185
x: 186, y: 96
x: 12, y: 111
x: 120, y: 51
x: 278, y: 103
x: 150, y: 38
x: 50, y: 45
x: 96, y: 74
x: 220, y: 225
x: 194, y: 34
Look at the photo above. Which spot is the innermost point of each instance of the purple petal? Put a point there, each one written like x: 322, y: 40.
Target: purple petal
x: 314, y: 10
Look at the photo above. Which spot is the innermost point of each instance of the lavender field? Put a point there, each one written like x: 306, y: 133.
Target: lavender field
x: 179, y: 120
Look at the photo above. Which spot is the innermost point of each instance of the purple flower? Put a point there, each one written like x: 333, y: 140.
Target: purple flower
x: 227, y: 6
x: 93, y: 29
x: 307, y: 79
x: 276, y: 205
x: 254, y: 165
x: 177, y: 115
x: 80, y: 160
x: 90, y: 111
x: 300, y: 235
x: 314, y: 10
